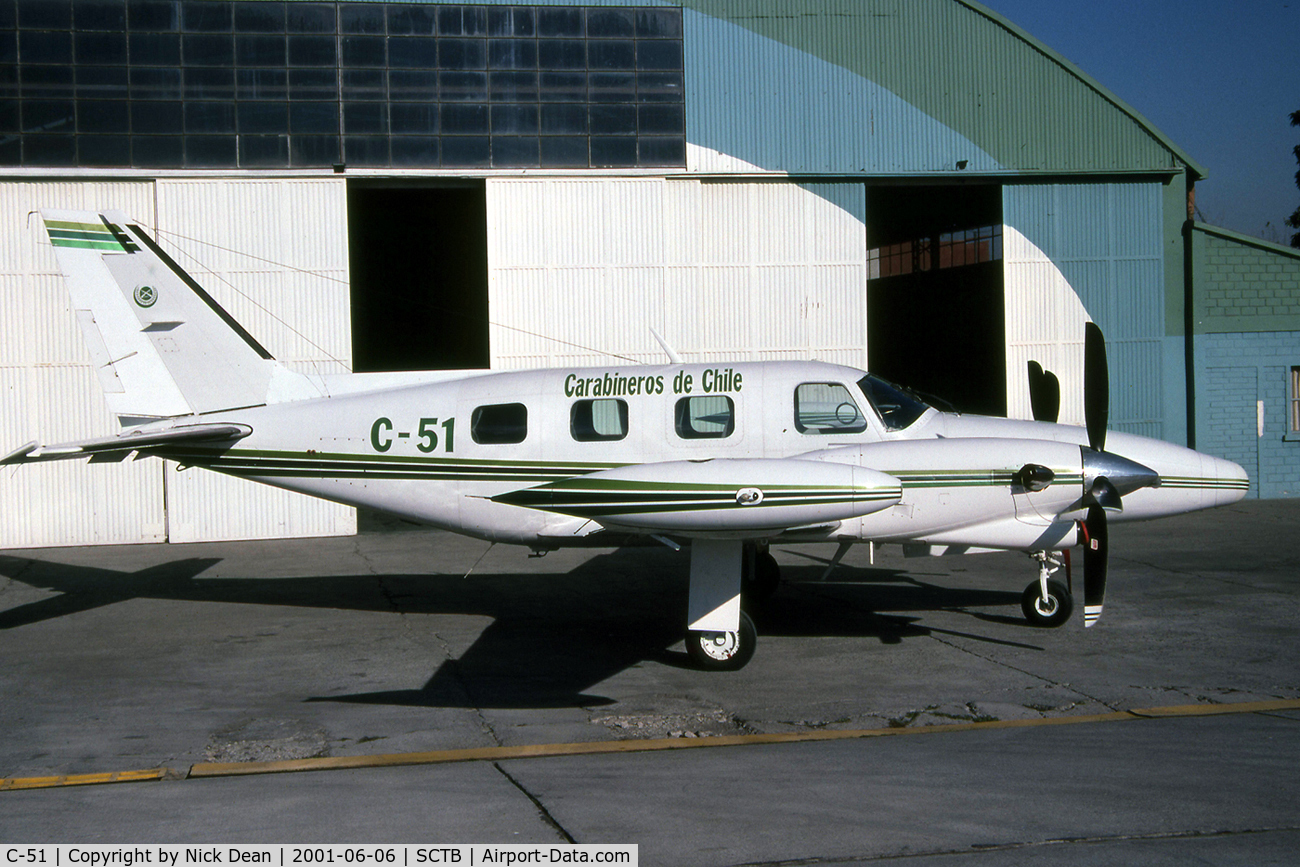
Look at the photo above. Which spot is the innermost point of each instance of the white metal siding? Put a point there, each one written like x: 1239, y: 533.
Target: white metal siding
x: 580, y: 270
x: 49, y: 391
x: 274, y: 253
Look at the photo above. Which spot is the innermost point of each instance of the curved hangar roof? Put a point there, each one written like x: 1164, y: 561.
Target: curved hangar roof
x: 898, y: 87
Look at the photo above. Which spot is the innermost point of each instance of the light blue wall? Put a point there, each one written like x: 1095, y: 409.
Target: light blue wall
x: 1234, y: 370
x: 1107, y: 240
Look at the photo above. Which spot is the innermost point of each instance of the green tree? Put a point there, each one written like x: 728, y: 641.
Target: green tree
x: 1294, y: 220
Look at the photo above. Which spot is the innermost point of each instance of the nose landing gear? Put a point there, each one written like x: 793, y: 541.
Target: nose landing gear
x: 1047, y: 603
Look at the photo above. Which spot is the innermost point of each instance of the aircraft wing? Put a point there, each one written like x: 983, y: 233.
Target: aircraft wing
x: 722, y: 496
x: 117, y: 448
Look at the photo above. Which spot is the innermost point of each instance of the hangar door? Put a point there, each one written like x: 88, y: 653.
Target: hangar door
x: 935, y: 292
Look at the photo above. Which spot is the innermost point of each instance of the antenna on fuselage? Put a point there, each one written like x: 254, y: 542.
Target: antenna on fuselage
x: 672, y: 353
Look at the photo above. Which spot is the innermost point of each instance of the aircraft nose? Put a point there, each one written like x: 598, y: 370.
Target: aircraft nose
x: 1227, y: 481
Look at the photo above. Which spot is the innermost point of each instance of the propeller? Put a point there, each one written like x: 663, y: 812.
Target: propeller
x: 1101, y: 492
x: 1095, y: 546
x: 1044, y: 393
x: 1096, y: 386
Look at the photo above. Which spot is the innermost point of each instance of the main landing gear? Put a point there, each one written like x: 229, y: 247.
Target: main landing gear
x: 1047, y: 603
x: 720, y: 634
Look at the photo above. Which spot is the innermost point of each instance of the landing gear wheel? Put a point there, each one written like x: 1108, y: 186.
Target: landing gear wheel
x: 723, y: 651
x: 1050, y: 612
x: 761, y: 583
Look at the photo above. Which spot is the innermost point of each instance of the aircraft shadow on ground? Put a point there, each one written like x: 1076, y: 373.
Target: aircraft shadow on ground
x: 552, y: 636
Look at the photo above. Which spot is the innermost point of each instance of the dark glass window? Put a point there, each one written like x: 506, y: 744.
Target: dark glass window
x: 104, y: 150
x: 155, y: 49
x: 157, y: 117
x: 206, y: 16
x: 260, y: 50
x: 152, y: 15
x: 263, y: 117
x: 361, y: 18
x: 103, y: 116
x: 316, y: 82
x: 312, y: 51
x: 40, y: 46
x: 314, y: 117
x: 263, y: 151
x: 499, y: 424
x: 363, y: 51
x: 47, y: 14
x: 155, y: 84
x: 100, y: 48
x: 514, y: 120
x: 559, y: 22
x: 310, y: 18
x: 259, y: 16
x: 207, y: 49
x: 100, y: 15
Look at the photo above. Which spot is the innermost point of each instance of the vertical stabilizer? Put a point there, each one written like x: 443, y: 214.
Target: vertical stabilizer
x: 161, y: 346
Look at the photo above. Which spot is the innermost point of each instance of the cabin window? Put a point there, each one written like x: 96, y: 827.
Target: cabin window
x: 826, y: 408
x: 705, y: 417
x: 598, y: 420
x: 499, y: 423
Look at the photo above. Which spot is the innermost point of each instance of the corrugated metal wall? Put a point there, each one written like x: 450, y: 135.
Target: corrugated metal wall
x: 579, y: 271
x: 274, y: 253
x: 1103, y: 243
x: 49, y: 391
x: 885, y: 86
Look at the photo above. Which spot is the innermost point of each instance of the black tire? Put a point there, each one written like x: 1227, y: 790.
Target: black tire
x: 1050, y: 614
x: 723, y: 651
x: 762, y: 583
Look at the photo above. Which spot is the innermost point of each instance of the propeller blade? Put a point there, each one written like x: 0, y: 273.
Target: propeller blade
x: 1094, y: 564
x: 1044, y: 393
x: 1096, y: 386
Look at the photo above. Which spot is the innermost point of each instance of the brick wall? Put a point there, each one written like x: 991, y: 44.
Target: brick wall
x: 1242, y: 284
x: 1234, y: 372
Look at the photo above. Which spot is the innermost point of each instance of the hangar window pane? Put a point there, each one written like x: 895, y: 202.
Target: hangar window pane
x: 598, y: 420
x: 705, y: 417
x: 499, y: 424
x: 507, y: 60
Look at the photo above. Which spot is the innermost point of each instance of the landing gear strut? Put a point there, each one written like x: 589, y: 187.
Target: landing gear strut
x: 1046, y: 603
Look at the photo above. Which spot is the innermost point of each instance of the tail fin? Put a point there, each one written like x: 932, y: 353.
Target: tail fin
x: 160, y: 344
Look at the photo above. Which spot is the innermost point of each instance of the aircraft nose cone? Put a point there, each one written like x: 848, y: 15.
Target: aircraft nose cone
x: 1124, y: 475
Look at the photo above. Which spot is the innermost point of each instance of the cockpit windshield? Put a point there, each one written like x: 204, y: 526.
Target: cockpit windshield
x: 895, y: 406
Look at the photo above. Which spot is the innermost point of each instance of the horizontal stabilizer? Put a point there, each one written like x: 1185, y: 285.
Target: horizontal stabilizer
x: 123, y: 444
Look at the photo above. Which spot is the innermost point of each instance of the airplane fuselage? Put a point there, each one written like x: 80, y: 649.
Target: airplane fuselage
x: 439, y: 452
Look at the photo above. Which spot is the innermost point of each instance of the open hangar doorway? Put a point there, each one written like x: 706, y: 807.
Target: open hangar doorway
x: 935, y: 309
x: 417, y: 262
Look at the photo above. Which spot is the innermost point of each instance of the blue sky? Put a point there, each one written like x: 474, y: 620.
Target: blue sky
x: 1220, y: 79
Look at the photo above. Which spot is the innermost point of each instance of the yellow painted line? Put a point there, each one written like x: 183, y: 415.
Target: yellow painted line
x: 593, y: 748
x: 84, y: 779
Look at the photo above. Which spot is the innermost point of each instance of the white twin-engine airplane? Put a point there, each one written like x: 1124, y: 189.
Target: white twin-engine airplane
x: 730, y: 457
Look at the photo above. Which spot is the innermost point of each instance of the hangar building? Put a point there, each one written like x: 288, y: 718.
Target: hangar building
x: 917, y: 187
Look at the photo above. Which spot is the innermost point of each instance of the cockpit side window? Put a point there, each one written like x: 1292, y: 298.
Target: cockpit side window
x: 896, y: 408
x: 705, y: 417
x: 826, y: 408
x: 598, y: 420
